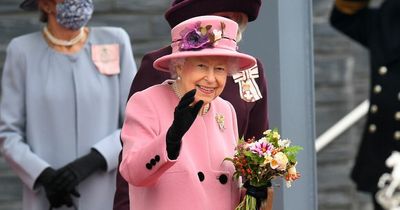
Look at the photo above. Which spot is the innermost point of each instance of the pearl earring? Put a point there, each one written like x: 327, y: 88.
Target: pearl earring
x: 178, y: 78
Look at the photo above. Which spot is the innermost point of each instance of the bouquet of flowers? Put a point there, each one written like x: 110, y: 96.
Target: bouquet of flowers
x: 260, y: 161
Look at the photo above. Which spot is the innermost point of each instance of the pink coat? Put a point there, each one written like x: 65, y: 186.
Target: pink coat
x: 199, y: 179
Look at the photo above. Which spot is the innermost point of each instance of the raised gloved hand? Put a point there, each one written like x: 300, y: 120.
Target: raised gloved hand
x: 56, y: 197
x: 69, y: 176
x: 184, y: 117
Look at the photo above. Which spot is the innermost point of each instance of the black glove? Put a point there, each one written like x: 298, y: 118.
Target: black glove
x: 260, y: 193
x: 69, y: 176
x: 184, y: 117
x: 59, y: 197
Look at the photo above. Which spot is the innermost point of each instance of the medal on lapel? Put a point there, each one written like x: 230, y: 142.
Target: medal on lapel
x: 248, y: 88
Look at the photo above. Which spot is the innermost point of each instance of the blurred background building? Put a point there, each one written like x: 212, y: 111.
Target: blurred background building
x: 341, y: 83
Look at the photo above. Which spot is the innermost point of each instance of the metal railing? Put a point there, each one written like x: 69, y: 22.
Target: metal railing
x: 341, y: 126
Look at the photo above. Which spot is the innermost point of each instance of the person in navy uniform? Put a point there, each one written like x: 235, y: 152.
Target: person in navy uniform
x: 378, y: 30
x: 246, y: 91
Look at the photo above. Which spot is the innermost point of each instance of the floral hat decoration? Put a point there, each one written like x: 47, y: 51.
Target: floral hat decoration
x: 205, y: 36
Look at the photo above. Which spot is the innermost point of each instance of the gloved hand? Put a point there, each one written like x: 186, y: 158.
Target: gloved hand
x: 184, y: 117
x: 260, y: 193
x: 69, y: 176
x: 350, y: 7
x: 56, y: 198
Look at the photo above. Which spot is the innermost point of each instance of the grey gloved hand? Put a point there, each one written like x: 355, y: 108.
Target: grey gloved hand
x: 184, y: 117
x: 56, y: 196
x: 69, y: 176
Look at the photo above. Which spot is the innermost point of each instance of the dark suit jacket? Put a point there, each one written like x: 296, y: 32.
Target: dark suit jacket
x: 379, y: 31
x: 251, y: 116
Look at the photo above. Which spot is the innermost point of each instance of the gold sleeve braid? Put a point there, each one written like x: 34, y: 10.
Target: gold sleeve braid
x: 350, y: 7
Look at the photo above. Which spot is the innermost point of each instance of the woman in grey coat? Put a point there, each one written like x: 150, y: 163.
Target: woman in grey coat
x: 63, y: 95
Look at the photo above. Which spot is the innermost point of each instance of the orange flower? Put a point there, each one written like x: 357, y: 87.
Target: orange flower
x: 279, y: 161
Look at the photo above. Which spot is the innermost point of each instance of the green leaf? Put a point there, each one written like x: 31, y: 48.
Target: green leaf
x: 291, y: 152
x: 241, y: 140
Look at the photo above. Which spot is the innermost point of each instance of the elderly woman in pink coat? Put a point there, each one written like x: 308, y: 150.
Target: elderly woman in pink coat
x: 177, y: 134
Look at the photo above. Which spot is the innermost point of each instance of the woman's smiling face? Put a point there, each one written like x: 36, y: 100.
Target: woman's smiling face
x: 206, y: 74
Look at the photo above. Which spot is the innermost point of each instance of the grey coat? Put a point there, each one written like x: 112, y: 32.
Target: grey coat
x: 55, y: 107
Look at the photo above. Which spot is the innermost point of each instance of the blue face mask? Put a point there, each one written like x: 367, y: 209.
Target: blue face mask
x: 74, y: 14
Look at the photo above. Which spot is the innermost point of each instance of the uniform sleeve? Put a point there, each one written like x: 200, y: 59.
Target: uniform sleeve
x: 147, y: 75
x: 141, y: 80
x: 110, y: 146
x: 13, y: 146
x: 258, y: 119
x: 144, y: 155
x: 356, y: 25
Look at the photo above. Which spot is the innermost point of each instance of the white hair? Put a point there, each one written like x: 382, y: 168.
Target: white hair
x: 232, y: 65
x: 242, y: 22
x: 173, y: 64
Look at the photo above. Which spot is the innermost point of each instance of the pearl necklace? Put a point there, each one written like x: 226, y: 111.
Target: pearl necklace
x: 61, y: 42
x: 206, y: 107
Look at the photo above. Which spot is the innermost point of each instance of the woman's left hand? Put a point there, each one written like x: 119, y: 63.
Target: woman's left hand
x: 267, y: 203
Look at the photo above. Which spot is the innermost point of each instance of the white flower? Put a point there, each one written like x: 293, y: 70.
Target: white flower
x: 217, y: 34
x: 267, y: 132
x: 267, y: 159
x: 288, y: 184
x: 263, y: 139
x: 284, y: 143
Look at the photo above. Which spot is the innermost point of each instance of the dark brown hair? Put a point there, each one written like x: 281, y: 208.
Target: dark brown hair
x: 44, y: 17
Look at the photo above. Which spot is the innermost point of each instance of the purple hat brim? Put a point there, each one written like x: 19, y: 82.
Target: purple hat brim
x: 244, y: 61
x: 191, y: 8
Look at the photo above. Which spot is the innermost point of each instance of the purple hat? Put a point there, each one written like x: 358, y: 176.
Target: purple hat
x: 29, y: 5
x: 205, y: 36
x: 182, y: 10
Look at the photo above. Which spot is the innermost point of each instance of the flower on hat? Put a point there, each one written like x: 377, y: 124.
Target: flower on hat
x: 200, y: 37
